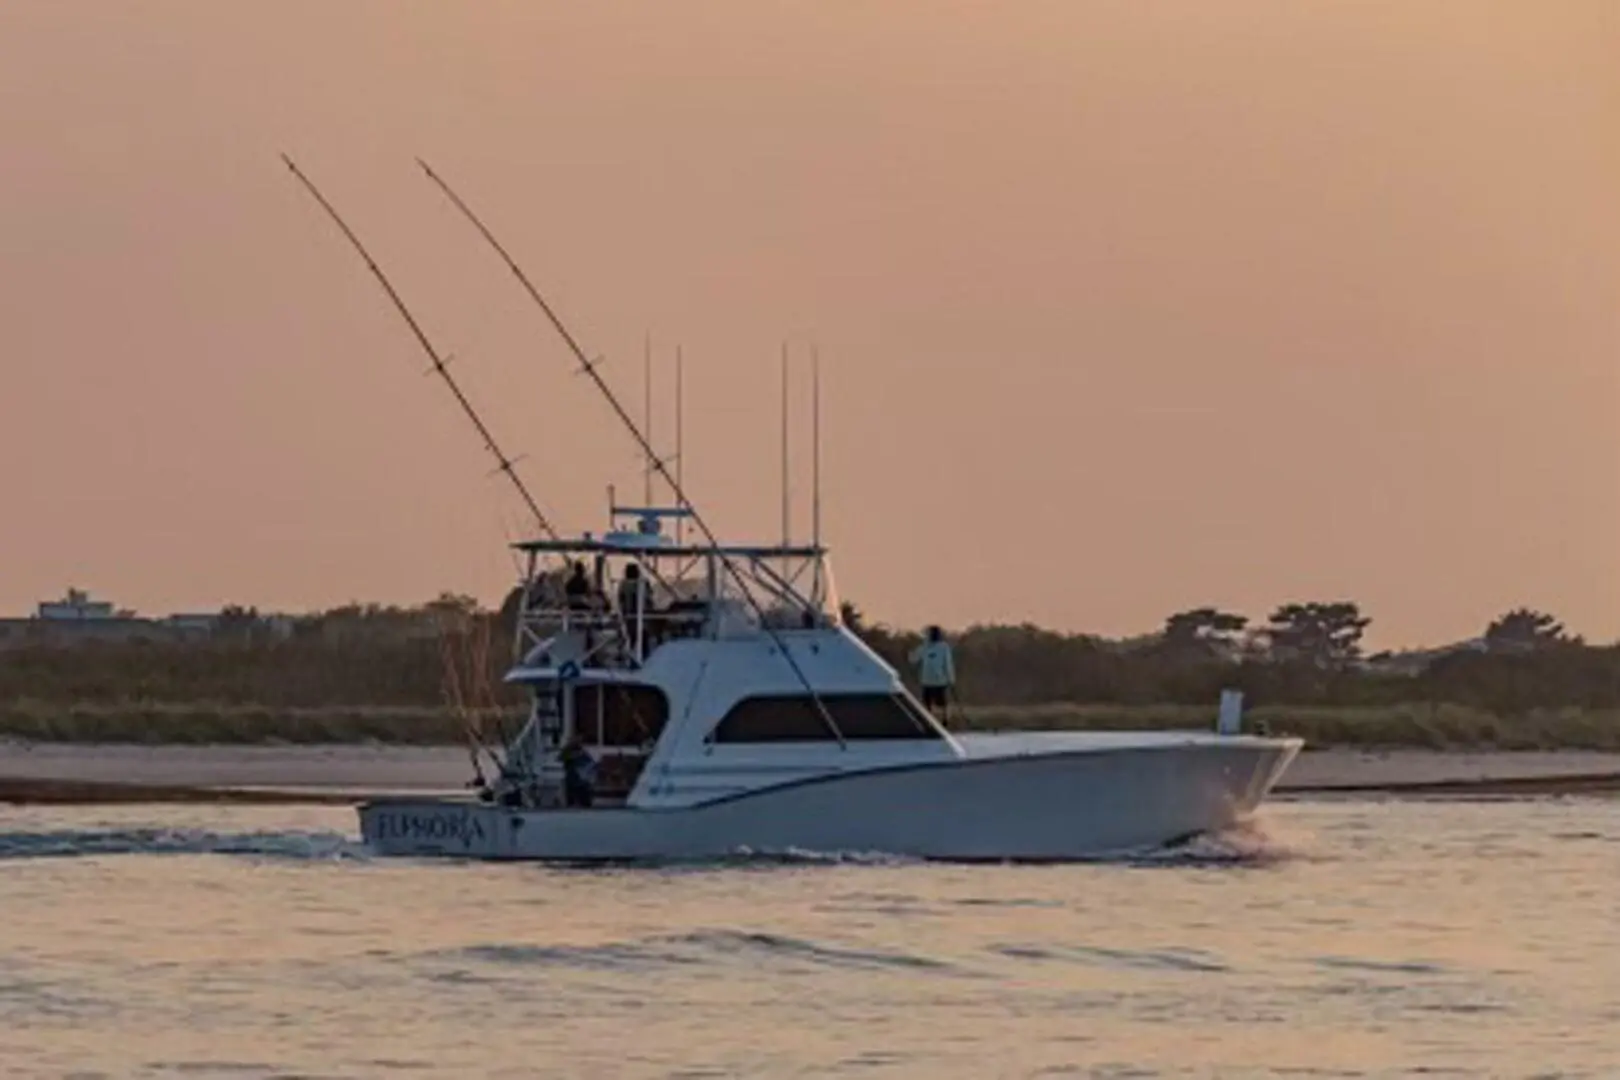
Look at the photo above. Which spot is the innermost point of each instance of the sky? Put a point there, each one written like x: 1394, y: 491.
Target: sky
x: 1122, y: 308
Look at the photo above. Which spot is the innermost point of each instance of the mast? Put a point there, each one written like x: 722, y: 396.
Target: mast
x: 589, y: 367
x: 504, y: 464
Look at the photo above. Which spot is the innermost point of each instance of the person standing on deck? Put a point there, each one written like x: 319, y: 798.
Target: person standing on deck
x: 936, y: 671
x: 633, y: 602
x: 580, y: 597
x: 579, y: 773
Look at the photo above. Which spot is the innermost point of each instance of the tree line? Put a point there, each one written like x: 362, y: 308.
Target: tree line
x: 1307, y: 653
x: 1304, y: 654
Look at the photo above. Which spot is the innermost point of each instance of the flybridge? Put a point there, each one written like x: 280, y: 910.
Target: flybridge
x: 634, y: 589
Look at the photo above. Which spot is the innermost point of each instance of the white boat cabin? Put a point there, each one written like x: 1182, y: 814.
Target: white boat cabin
x: 690, y: 672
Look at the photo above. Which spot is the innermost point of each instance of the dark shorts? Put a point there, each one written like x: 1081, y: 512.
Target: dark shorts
x: 933, y: 697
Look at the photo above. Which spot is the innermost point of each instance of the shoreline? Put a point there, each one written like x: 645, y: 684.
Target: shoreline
x: 339, y: 774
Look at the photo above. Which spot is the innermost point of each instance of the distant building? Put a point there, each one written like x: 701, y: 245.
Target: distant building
x: 235, y: 624
x: 191, y: 627
x: 76, y: 619
x: 76, y: 606
x: 279, y: 627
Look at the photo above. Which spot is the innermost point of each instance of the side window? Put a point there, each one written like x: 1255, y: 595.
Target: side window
x: 796, y: 719
x: 773, y: 719
x: 875, y: 716
x: 620, y: 715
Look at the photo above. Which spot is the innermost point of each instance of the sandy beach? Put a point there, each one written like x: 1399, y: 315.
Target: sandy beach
x: 79, y: 772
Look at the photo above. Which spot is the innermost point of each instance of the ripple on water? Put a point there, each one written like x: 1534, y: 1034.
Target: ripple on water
x: 717, y: 948
x: 24, y: 999
x: 1385, y: 967
x: 1006, y: 902
x: 215, y: 1068
x: 1173, y: 959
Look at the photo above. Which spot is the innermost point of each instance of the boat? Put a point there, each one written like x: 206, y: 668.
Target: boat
x: 695, y: 701
x: 700, y: 700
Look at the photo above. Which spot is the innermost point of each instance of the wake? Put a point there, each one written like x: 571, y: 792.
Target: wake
x: 1251, y: 844
x: 78, y: 843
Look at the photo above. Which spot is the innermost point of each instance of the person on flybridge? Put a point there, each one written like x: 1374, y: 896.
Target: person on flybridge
x: 633, y: 601
x: 578, y: 589
x: 936, y: 671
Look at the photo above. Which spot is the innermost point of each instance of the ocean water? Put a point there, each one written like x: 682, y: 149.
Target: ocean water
x: 1329, y: 939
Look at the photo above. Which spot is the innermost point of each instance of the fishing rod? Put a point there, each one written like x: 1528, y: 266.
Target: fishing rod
x: 504, y: 464
x: 589, y: 368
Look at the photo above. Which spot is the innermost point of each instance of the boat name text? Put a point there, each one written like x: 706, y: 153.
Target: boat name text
x: 406, y: 825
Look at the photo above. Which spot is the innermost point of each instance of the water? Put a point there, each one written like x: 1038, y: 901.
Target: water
x: 1334, y: 939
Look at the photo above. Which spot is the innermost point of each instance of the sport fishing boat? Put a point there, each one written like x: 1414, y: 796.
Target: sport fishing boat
x: 702, y: 701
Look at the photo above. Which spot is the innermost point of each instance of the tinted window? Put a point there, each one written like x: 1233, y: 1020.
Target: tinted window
x: 796, y: 719
x: 878, y: 716
x: 619, y: 715
x: 773, y: 719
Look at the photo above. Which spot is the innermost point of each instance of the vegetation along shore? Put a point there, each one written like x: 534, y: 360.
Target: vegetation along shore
x: 424, y: 675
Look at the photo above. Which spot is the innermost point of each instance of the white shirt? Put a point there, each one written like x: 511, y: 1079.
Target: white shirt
x: 935, y: 666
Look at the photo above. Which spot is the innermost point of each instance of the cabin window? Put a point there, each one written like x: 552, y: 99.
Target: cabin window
x: 795, y: 718
x: 619, y: 715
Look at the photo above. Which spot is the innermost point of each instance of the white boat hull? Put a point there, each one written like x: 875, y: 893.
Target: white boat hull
x: 1057, y: 805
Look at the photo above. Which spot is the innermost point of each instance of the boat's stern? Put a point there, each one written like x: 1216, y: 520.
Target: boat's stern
x: 429, y: 827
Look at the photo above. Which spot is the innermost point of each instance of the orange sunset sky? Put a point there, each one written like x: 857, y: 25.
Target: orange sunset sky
x: 1123, y: 307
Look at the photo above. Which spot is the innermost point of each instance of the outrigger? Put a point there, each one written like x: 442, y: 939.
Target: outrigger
x: 703, y: 700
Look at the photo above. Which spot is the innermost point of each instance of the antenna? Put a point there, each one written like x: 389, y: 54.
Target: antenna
x: 647, y: 394
x: 787, y: 530
x: 815, y: 446
x: 680, y: 450
x: 589, y: 368
x: 504, y: 464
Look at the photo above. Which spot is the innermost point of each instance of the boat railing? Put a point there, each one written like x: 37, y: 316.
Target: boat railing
x: 640, y: 600
x: 611, y: 638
